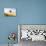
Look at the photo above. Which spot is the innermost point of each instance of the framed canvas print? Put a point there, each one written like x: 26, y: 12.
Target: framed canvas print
x: 9, y: 12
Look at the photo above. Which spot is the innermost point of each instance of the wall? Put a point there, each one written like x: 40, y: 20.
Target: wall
x: 28, y: 12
